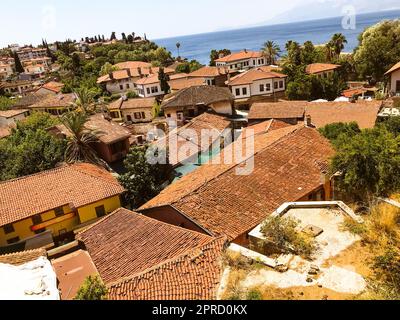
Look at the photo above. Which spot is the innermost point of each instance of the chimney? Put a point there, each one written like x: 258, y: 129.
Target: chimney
x: 128, y: 71
x: 229, y: 77
x: 245, y: 50
x: 111, y: 75
x: 308, y: 121
x: 150, y: 70
x: 140, y: 72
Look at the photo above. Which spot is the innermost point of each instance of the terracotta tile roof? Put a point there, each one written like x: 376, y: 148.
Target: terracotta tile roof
x: 139, y: 103
x: 151, y: 79
x: 207, y: 172
x: 209, y: 72
x: 28, y: 100
x: 133, y: 73
x: 126, y: 243
x: 195, y: 275
x: 197, y: 95
x: 183, y: 83
x: 321, y: 67
x: 11, y: 113
x: 206, y: 121
x: 225, y: 203
x: 53, y: 86
x: 365, y: 113
x: 394, y: 68
x: 132, y: 65
x: 241, y: 56
x: 78, y: 185
x: 61, y: 100
x: 252, y: 75
x: 178, y: 76
x: 23, y: 257
x: 357, y: 91
x: 110, y: 131
x: 72, y: 270
x: 277, y: 110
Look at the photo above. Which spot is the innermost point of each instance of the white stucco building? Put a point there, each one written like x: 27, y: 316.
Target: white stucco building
x: 243, y: 60
x: 257, y: 82
x: 394, y: 82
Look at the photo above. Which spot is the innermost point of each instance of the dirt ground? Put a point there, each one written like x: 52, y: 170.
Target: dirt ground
x: 356, y: 258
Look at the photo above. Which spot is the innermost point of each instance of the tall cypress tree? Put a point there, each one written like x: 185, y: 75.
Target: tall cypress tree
x: 18, y: 65
x: 164, y: 78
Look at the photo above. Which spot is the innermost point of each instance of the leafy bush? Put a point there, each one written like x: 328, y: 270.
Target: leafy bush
x: 92, y: 289
x: 131, y: 95
x: 284, y: 233
x: 254, y: 294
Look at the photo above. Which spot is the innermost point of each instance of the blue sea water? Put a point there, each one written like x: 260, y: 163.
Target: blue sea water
x: 318, y: 31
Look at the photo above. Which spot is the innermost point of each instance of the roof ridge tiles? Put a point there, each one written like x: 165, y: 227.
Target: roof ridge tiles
x: 176, y: 259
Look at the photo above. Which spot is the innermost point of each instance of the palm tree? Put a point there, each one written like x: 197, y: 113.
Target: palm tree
x: 330, y: 51
x: 338, y: 41
x: 80, y: 139
x: 85, y: 101
x: 271, y: 52
x: 178, y: 46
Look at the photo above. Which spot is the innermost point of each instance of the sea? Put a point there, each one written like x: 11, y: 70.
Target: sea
x: 198, y: 46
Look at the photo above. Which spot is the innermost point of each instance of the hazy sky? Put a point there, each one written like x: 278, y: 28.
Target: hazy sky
x: 27, y: 21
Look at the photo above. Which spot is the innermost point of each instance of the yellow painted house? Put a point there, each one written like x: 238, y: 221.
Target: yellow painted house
x: 56, y: 201
x: 55, y: 104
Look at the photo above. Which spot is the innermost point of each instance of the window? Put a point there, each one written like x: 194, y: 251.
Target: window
x: 137, y: 115
x: 238, y: 92
x: 268, y: 86
x: 100, y: 211
x: 59, y: 211
x: 121, y: 87
x: 13, y: 240
x: 276, y: 85
x: 281, y: 84
x: 244, y: 91
x: 37, y: 219
x: 129, y: 118
x: 9, y: 228
x: 148, y: 90
x: 128, y: 86
x: 262, y: 88
x: 191, y: 113
x: 143, y: 115
x: 179, y: 115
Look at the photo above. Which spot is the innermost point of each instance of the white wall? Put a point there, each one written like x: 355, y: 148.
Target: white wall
x: 394, y: 78
x: 255, y: 90
x: 223, y: 107
x: 127, y: 85
x: 147, y: 90
x: 241, y: 95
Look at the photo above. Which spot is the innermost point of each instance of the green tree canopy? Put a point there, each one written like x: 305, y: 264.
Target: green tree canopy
x: 92, y: 289
x: 143, y: 180
x: 30, y: 148
x: 369, y: 163
x: 378, y: 49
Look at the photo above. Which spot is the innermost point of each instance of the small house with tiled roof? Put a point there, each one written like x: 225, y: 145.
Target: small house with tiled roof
x: 190, y: 102
x: 140, y: 258
x: 138, y: 110
x: 257, y: 82
x: 57, y: 200
x: 242, y: 60
x: 322, y: 70
x: 394, y: 83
